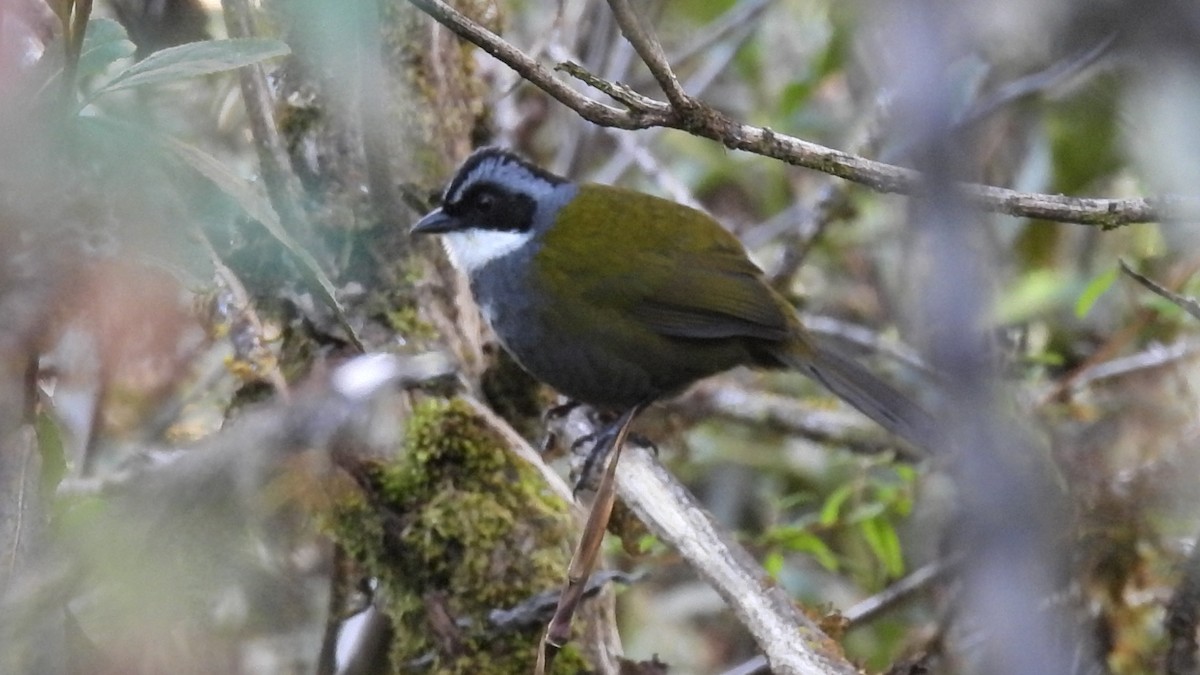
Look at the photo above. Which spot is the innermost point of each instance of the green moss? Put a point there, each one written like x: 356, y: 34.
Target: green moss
x: 456, y: 525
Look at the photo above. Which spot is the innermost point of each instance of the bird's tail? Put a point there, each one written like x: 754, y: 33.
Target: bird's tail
x: 873, y: 397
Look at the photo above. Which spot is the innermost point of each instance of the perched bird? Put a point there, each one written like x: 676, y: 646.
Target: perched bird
x: 617, y: 298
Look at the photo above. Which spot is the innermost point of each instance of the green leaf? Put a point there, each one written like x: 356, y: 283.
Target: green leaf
x: 1033, y: 293
x: 1092, y: 292
x: 258, y: 207
x: 806, y: 542
x: 193, y: 60
x: 104, y: 43
x: 52, y: 449
x: 773, y: 564
x: 254, y: 202
x: 881, y: 537
x: 833, y: 504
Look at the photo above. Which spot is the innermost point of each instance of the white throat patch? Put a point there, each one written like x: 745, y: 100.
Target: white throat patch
x: 471, y: 249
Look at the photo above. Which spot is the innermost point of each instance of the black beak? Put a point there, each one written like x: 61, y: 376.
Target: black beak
x: 434, y: 222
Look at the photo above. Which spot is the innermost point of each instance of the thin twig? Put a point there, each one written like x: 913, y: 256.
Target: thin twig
x: 867, y: 609
x: 1185, y: 303
x: 1022, y: 87
x: 716, y: 61
x: 738, y: 18
x: 646, y: 44
x: 642, y: 113
x: 1157, y: 356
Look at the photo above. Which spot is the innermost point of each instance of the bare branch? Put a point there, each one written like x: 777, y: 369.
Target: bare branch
x: 1189, y: 305
x: 792, y: 642
x: 702, y: 120
x: 646, y: 44
x: 538, y: 74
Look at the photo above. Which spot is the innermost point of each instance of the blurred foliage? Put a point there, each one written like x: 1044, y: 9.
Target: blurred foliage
x: 156, y: 154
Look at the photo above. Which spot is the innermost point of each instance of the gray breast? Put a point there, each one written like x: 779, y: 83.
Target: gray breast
x: 579, y: 369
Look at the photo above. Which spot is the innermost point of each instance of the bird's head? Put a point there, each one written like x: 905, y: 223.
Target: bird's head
x: 495, y: 205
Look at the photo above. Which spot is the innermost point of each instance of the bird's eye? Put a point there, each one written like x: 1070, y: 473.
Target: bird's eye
x: 485, y: 202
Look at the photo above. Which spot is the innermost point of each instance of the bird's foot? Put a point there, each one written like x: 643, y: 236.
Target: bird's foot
x: 560, y: 411
x: 549, y: 445
x: 601, y: 447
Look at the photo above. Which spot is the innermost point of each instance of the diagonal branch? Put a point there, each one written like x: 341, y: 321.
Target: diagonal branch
x: 702, y: 120
x: 647, y: 46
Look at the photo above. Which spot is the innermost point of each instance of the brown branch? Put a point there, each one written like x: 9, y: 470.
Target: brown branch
x: 642, y: 112
x: 647, y: 46
x: 654, y: 115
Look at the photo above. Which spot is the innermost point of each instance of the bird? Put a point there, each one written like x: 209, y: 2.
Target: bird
x: 618, y: 298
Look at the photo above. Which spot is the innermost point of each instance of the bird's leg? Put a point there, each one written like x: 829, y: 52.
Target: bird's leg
x: 550, y: 439
x: 560, y: 411
x: 602, y: 443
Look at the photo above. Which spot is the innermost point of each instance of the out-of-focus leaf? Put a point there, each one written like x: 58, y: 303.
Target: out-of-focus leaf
x: 257, y: 206
x: 1092, y: 292
x: 193, y: 60
x: 773, y: 564
x: 104, y: 43
x: 1083, y: 132
x: 885, y: 544
x: 867, y: 511
x: 833, y: 505
x: 801, y: 541
x: 252, y: 200
x: 52, y: 449
x: 1033, y: 293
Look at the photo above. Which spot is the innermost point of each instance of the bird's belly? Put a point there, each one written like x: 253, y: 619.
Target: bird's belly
x: 590, y: 359
x: 581, y: 369
x: 591, y: 351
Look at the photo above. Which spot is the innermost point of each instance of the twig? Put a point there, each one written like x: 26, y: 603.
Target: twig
x: 646, y: 44
x: 283, y: 187
x: 1022, y: 87
x: 1157, y: 356
x: 1185, y: 303
x: 246, y: 332
x: 717, y: 60
x: 642, y: 113
x: 869, y: 608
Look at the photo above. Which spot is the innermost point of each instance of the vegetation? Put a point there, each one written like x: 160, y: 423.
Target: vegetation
x: 248, y: 426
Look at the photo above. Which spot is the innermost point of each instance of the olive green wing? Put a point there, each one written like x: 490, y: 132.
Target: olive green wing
x: 683, y: 274
x: 712, y: 296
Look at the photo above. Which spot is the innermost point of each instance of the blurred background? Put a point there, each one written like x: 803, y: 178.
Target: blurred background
x: 198, y: 235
